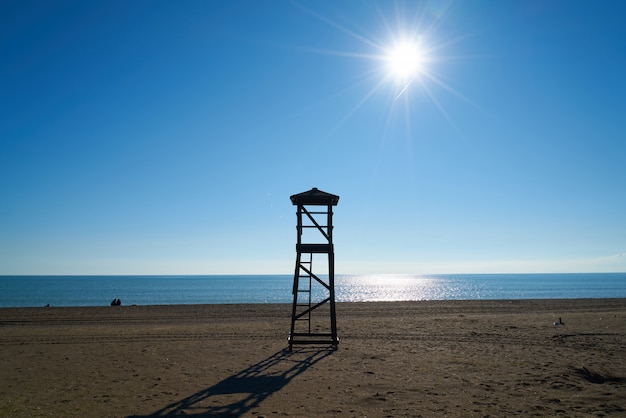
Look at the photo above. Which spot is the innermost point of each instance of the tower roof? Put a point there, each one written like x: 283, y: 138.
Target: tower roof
x: 314, y: 197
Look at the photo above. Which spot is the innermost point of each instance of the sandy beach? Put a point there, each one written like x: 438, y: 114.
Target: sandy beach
x: 430, y: 359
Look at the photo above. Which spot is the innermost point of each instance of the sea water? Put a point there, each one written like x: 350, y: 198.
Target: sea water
x: 22, y: 291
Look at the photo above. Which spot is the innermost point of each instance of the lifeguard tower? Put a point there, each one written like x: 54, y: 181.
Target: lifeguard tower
x: 313, y: 316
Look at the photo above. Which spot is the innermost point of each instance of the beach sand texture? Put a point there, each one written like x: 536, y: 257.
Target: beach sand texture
x: 430, y: 359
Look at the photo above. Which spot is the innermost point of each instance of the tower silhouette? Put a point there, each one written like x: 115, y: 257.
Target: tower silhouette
x: 313, y: 315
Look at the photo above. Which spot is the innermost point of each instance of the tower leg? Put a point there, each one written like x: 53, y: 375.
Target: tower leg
x: 296, y: 284
x: 333, y: 312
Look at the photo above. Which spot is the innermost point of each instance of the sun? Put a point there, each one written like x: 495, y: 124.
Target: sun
x: 405, y: 60
x: 408, y: 53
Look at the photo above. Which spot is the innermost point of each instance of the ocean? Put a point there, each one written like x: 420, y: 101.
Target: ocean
x: 33, y: 291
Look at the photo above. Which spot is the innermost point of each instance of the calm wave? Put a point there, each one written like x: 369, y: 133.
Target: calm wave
x: 17, y: 291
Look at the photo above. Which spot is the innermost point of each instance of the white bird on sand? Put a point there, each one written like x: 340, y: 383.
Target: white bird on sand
x: 556, y: 324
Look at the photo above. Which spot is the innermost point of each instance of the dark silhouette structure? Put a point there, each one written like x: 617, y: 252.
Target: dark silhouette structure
x: 314, y: 292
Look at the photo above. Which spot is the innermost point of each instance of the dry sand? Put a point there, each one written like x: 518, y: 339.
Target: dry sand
x: 444, y: 358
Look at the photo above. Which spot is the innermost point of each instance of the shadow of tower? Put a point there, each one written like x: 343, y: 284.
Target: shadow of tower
x: 241, y: 392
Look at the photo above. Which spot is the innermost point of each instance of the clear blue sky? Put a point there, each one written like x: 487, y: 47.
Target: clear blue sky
x: 165, y: 137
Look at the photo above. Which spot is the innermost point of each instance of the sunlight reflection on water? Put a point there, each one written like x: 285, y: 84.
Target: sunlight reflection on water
x: 378, y: 288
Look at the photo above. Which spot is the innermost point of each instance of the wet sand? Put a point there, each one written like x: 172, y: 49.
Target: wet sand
x: 452, y: 358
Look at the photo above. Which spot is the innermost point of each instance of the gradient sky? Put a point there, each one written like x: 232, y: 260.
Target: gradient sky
x: 165, y: 137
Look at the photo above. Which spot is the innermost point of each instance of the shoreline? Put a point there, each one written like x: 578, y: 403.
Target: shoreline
x: 422, y: 358
x: 426, y: 301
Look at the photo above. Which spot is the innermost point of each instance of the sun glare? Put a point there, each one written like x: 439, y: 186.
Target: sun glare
x: 406, y: 53
x: 405, y: 60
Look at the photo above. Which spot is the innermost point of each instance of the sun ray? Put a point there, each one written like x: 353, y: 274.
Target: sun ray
x: 441, y: 110
x: 456, y: 93
x: 341, y: 28
x: 358, y: 105
x: 403, y: 89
